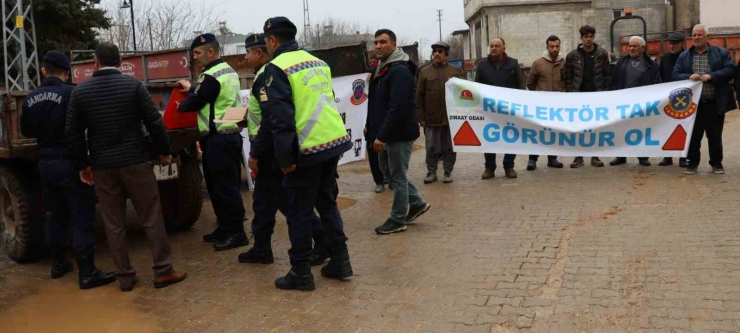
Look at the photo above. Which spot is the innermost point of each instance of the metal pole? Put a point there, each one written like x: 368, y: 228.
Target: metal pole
x: 151, y: 38
x: 439, y: 18
x: 133, y: 25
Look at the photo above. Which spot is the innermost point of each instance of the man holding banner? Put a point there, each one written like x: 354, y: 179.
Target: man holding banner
x: 637, y: 70
x: 713, y: 66
x: 499, y: 70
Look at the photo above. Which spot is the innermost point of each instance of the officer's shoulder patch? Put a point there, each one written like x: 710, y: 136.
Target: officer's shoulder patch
x: 269, y: 81
x: 263, y: 95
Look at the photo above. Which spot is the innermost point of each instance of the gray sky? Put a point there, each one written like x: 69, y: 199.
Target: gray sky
x: 411, y: 20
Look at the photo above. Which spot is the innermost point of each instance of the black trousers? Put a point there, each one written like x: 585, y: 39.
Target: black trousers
x: 69, y: 200
x: 222, y: 171
x: 306, y: 189
x: 372, y: 157
x: 709, y: 121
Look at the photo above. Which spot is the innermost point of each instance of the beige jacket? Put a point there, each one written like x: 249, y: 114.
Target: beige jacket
x: 546, y: 75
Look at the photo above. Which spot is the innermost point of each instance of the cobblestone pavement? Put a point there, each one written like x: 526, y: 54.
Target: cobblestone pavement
x: 613, y: 249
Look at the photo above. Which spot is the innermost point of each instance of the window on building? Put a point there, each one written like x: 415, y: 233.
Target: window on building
x: 618, y: 13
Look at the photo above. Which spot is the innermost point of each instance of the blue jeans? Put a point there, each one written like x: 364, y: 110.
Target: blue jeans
x: 491, y: 160
x: 397, y: 155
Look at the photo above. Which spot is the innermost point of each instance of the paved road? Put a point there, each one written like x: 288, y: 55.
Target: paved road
x: 613, y: 249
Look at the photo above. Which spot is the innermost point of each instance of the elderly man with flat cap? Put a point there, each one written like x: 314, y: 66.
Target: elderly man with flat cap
x: 308, y: 137
x: 432, y: 111
x: 217, y: 90
x: 667, y: 63
x: 65, y: 195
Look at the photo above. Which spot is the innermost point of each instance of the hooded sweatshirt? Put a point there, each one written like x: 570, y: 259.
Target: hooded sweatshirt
x: 547, y: 75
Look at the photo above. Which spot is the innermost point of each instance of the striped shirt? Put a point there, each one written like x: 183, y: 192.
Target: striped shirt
x: 701, y: 66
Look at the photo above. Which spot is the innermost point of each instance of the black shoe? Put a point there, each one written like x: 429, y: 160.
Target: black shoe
x: 683, y: 162
x: 415, y: 212
x: 718, y: 169
x: 297, y: 281
x: 90, y: 276
x: 644, y: 162
x: 318, y: 256
x: 130, y: 287
x: 255, y: 256
x: 531, y: 165
x: 618, y: 161
x: 554, y: 163
x: 339, y: 266
x: 215, y: 236
x: 390, y: 227
x: 59, y: 270
x: 666, y: 161
x: 690, y: 170
x: 231, y: 241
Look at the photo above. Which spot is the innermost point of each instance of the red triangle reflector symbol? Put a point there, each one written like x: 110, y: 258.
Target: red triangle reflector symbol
x: 466, y: 136
x: 677, y: 140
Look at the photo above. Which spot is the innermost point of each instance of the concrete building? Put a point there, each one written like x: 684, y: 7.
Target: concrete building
x: 720, y: 16
x: 526, y: 24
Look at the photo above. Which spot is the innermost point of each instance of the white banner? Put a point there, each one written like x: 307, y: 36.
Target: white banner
x: 651, y: 121
x: 351, y: 97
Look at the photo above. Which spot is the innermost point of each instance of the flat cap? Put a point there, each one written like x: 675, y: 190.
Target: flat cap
x: 675, y: 37
x: 254, y: 40
x: 202, y: 40
x: 57, y: 59
x: 441, y: 45
x: 280, y: 26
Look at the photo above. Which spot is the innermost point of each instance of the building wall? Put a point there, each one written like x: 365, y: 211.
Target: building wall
x: 525, y: 25
x: 720, y: 16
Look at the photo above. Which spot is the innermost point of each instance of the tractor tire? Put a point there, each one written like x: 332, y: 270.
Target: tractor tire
x: 182, y: 199
x: 21, y: 215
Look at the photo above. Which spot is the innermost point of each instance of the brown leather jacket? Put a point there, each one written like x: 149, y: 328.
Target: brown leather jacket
x: 430, y: 93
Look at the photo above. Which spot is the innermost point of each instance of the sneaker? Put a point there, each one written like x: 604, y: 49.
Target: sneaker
x: 510, y: 172
x: 531, y: 165
x: 719, y: 169
x: 577, y: 163
x: 390, y: 227
x: 447, y: 178
x: 683, y: 162
x: 415, y: 212
x: 666, y: 161
x: 255, y: 256
x: 488, y: 174
x: 690, y: 170
x: 431, y: 178
x: 554, y: 163
x: 617, y: 161
x: 379, y: 188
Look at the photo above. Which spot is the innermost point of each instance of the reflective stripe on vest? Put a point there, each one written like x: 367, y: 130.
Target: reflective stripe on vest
x: 318, y: 123
x: 254, y: 112
x: 229, y: 96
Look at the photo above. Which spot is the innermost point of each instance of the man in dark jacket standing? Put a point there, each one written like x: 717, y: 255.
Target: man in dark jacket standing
x: 667, y: 63
x: 430, y: 104
x: 713, y: 66
x: 587, y: 70
x: 68, y: 199
x: 637, y: 70
x: 499, y: 70
x: 392, y: 120
x: 111, y: 107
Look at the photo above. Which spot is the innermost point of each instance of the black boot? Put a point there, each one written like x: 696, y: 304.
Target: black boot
x: 59, y: 264
x: 257, y: 255
x: 320, y: 252
x: 339, y: 266
x: 91, y: 276
x: 299, y: 278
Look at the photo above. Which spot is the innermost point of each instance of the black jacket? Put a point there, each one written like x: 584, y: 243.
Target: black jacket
x: 650, y: 76
x: 722, y: 72
x: 667, y: 62
x: 509, y: 75
x: 43, y: 117
x: 279, y: 110
x: 112, y: 107
x: 391, y: 111
x: 574, y: 69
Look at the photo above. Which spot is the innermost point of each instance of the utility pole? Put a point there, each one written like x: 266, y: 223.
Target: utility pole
x: 151, y: 39
x: 22, y: 71
x: 439, y: 18
x: 307, y: 22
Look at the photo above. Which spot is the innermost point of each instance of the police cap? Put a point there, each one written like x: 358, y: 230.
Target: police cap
x: 57, y: 59
x: 281, y: 27
x: 203, y: 40
x: 254, y: 40
x: 675, y: 37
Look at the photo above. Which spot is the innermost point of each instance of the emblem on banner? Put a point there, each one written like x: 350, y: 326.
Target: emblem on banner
x: 358, y: 92
x: 680, y: 104
x: 466, y: 96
